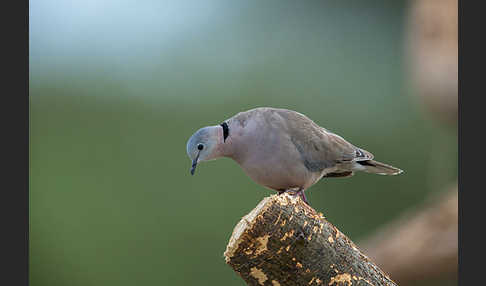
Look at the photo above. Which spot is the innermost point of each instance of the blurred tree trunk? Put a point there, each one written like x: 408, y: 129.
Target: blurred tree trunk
x: 421, y: 245
x: 432, y: 49
x: 424, y: 245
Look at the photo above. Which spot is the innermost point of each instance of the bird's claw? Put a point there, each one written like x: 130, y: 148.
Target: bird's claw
x: 299, y: 192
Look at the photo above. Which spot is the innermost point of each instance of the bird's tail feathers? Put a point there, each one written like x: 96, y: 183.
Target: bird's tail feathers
x: 375, y: 167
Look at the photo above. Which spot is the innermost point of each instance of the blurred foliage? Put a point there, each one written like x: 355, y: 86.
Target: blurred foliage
x: 111, y: 198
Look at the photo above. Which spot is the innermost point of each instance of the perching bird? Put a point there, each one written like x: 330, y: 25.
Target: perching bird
x: 282, y: 150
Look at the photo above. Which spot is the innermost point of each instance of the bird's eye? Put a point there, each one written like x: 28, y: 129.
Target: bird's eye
x: 200, y: 146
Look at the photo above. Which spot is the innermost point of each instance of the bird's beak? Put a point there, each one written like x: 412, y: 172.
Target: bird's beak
x: 194, y: 164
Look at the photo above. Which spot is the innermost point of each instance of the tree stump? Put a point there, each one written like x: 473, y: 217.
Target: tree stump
x: 283, y: 241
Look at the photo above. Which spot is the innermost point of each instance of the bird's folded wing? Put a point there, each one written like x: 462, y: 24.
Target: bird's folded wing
x: 320, y: 149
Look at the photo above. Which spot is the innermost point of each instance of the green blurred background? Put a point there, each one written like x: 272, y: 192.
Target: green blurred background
x: 117, y: 88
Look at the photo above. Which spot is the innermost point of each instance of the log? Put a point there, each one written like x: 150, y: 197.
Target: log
x: 284, y: 241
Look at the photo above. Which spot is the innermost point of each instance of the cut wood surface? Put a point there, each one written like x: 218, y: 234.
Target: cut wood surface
x: 283, y: 241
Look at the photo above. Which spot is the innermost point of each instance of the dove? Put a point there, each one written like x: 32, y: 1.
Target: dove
x: 282, y: 150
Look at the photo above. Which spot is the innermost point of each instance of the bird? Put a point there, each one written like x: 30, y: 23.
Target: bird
x: 282, y: 150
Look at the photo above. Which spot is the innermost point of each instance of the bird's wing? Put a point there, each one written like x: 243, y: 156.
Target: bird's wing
x: 319, y: 148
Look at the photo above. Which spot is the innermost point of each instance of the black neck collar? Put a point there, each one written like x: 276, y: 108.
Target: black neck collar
x: 225, y: 130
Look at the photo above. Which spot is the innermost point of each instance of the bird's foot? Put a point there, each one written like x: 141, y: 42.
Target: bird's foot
x: 299, y: 192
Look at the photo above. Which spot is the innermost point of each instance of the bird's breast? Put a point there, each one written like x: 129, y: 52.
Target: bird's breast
x: 269, y: 158
x: 277, y: 170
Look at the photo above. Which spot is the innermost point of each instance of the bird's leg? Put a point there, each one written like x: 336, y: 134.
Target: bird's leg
x: 301, y: 193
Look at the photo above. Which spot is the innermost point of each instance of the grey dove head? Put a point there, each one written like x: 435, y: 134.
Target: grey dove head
x: 202, y: 146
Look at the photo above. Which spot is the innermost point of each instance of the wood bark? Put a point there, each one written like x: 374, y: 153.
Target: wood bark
x: 283, y: 241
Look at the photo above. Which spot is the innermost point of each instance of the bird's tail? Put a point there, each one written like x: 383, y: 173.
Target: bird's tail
x: 371, y: 166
